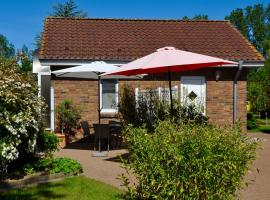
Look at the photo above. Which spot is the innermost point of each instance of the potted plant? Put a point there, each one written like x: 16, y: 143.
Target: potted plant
x: 68, y: 116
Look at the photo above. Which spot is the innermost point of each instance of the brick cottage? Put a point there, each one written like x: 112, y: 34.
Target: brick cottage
x: 72, y: 42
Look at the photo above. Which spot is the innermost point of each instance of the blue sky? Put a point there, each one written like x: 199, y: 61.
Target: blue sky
x: 21, y: 20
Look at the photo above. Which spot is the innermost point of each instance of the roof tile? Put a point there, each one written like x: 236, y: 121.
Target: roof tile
x: 128, y: 39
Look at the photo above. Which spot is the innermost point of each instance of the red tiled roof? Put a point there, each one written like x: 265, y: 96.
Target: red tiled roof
x: 128, y: 39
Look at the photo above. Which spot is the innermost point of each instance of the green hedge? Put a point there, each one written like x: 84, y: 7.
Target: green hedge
x: 186, y: 161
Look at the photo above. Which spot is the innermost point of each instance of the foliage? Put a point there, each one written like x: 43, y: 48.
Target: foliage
x: 265, y: 129
x: 68, y: 9
x: 259, y: 88
x: 253, y: 22
x: 7, y: 49
x: 186, y: 161
x: 149, y: 109
x: 47, y: 142
x: 20, y: 115
x: 196, y: 17
x: 52, y: 166
x: 73, y: 188
x: 127, y: 105
x: 24, y: 57
x: 66, y: 166
x: 68, y: 116
x: 37, y: 40
x: 251, y: 121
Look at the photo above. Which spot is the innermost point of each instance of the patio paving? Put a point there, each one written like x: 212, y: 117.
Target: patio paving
x: 259, y: 189
x: 107, y: 169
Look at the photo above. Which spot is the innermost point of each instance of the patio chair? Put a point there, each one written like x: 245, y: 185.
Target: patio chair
x: 115, y: 134
x: 86, y: 128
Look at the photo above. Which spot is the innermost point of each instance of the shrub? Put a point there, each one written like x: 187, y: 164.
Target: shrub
x: 149, y: 109
x: 251, y: 121
x: 66, y: 166
x: 47, y: 142
x: 68, y: 116
x: 20, y: 116
x: 53, y: 165
x: 186, y: 161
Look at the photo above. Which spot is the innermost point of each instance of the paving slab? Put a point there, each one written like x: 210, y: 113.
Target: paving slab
x: 105, y: 169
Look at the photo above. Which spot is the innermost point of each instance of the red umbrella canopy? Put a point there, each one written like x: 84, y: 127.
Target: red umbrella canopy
x: 168, y: 58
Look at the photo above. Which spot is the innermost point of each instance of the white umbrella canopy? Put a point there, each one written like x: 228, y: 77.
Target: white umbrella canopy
x: 91, y: 70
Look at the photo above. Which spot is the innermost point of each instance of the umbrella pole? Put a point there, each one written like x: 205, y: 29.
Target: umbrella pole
x: 99, y: 153
x: 170, y: 87
x: 99, y: 142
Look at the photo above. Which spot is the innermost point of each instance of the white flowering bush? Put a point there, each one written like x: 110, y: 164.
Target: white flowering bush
x: 20, y: 115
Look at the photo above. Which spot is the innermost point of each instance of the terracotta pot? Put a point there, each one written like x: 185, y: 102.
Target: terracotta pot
x: 62, y: 140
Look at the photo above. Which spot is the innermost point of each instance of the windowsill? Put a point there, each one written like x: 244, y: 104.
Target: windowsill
x: 111, y: 113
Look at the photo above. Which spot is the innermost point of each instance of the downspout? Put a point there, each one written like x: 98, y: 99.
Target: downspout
x: 235, y: 91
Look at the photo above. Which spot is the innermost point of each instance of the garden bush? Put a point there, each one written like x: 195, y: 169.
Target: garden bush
x: 68, y: 116
x: 66, y: 166
x: 186, y: 161
x: 20, y: 116
x: 47, y: 142
x: 251, y: 121
x: 53, y: 166
x: 148, y: 109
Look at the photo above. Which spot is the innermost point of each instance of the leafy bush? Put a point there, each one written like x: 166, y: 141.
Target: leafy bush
x: 20, y: 116
x: 265, y: 129
x: 47, y: 142
x: 186, y: 161
x: 66, y: 166
x: 68, y: 116
x: 53, y: 165
x: 251, y: 121
x: 149, y: 109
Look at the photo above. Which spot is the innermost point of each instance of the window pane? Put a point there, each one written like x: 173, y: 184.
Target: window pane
x: 109, y: 94
x: 165, y: 94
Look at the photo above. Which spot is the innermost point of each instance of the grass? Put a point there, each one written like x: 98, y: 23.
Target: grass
x: 261, y: 126
x: 77, y: 188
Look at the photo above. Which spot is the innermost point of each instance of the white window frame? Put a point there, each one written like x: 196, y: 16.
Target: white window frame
x: 102, y: 110
x: 203, y: 90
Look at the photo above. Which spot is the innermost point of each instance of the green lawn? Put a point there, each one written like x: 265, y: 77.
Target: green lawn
x: 77, y: 188
x: 262, y: 127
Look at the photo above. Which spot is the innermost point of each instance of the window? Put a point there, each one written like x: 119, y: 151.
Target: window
x: 109, y: 95
x: 162, y: 93
x: 165, y: 93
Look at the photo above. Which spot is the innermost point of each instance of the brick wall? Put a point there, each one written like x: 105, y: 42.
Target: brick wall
x: 219, y: 94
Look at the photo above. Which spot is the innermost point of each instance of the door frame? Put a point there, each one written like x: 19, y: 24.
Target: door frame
x: 203, y: 88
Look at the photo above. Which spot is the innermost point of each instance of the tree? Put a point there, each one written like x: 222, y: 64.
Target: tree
x: 196, y: 17
x: 24, y: 57
x: 37, y: 40
x: 254, y: 23
x: 68, y: 9
x: 6, y: 48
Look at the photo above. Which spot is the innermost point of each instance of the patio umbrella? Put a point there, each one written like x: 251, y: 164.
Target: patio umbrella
x: 92, y: 71
x: 168, y: 59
